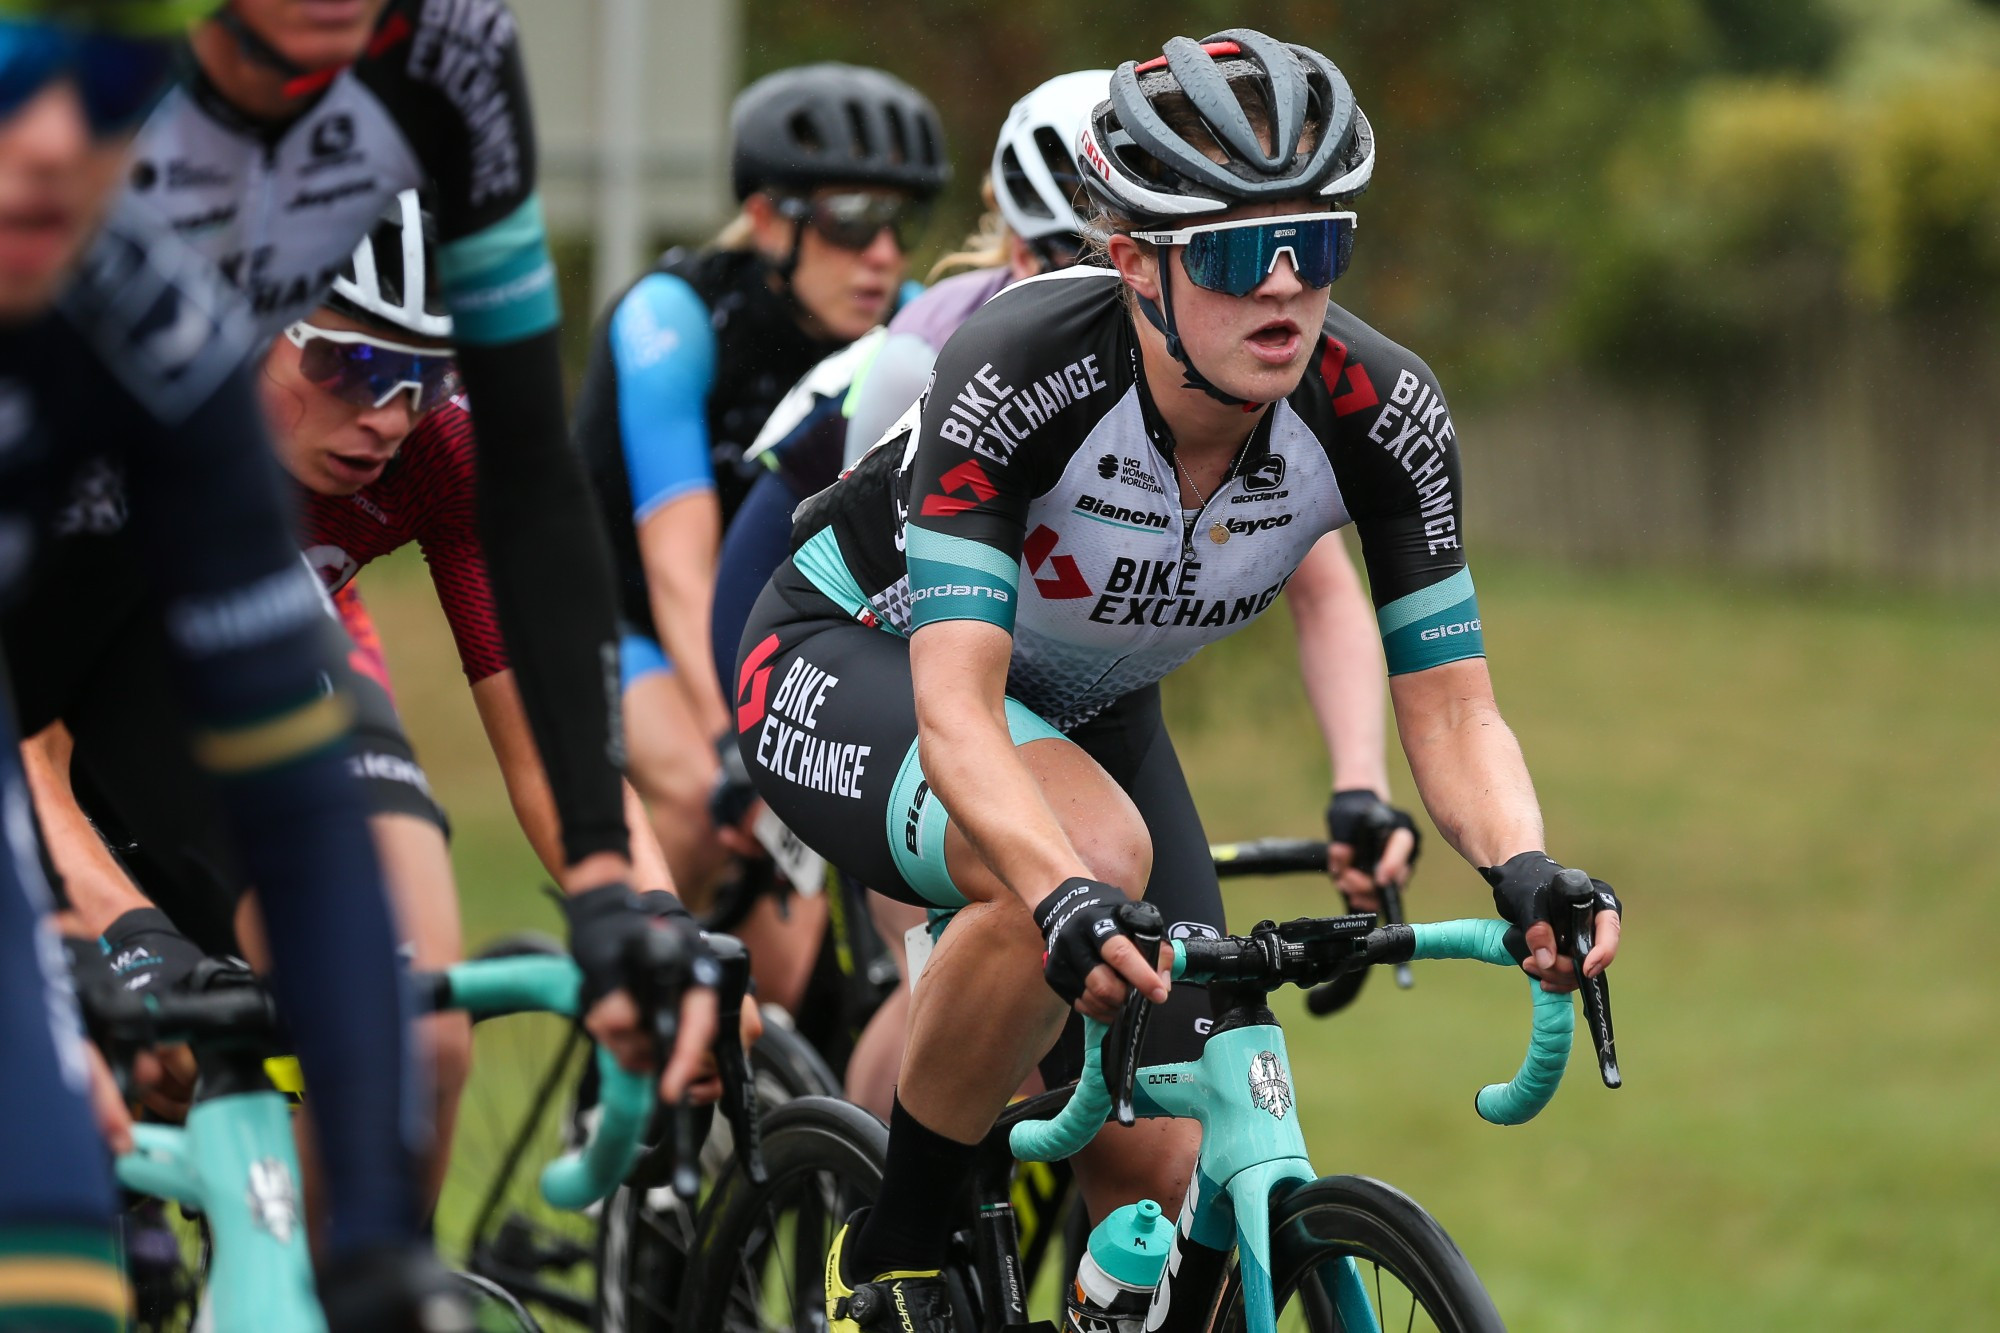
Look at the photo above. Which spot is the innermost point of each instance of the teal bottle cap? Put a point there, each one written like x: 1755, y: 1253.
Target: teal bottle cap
x: 1131, y: 1245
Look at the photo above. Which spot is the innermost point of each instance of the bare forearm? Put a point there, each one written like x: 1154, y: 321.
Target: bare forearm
x: 996, y: 803
x: 678, y: 547
x: 99, y: 891
x: 1468, y: 766
x: 1340, y: 658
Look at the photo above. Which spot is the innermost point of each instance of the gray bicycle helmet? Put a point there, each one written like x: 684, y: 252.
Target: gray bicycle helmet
x: 1137, y: 165
x: 391, y: 280
x: 835, y: 124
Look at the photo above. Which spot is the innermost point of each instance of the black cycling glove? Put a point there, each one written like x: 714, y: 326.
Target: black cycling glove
x: 1524, y: 890
x: 146, y: 953
x: 1364, y: 821
x: 602, y: 922
x: 733, y: 793
x: 1078, y: 920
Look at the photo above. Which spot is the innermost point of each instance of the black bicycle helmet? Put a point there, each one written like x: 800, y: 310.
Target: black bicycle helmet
x: 1137, y: 165
x: 391, y: 280
x: 835, y: 124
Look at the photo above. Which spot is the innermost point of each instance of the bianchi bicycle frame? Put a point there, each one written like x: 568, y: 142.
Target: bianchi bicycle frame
x: 235, y: 1160
x: 1240, y: 1091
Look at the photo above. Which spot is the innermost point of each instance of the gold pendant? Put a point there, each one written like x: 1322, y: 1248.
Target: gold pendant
x: 1217, y: 533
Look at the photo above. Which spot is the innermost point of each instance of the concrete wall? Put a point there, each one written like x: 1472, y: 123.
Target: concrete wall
x: 688, y: 72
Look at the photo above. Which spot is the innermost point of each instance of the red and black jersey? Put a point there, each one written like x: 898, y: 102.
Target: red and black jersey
x: 425, y: 496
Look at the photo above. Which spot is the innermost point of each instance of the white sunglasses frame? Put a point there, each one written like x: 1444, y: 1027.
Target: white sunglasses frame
x: 304, y: 331
x: 1186, y: 234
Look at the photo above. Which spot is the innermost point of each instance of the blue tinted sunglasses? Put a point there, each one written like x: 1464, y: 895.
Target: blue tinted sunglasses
x: 1234, y: 257
x: 119, y: 79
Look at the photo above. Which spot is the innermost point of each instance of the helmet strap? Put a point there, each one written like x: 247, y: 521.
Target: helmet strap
x: 255, y: 47
x: 1161, y: 317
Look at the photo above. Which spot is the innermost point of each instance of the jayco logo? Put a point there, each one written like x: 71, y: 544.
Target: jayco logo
x: 1246, y: 525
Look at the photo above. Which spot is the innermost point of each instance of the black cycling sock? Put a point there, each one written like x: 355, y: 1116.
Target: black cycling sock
x: 909, y: 1226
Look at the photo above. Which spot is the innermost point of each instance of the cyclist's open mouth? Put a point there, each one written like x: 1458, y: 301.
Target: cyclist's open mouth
x: 1276, y: 343
x: 356, y: 469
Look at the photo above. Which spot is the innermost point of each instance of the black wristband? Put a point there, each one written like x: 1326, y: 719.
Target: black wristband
x: 145, y: 952
x: 1077, y: 921
x: 1524, y: 893
x: 1363, y: 821
x: 602, y: 923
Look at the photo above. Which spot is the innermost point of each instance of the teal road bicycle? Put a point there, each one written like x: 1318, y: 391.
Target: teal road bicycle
x: 1264, y: 1242
x: 234, y: 1166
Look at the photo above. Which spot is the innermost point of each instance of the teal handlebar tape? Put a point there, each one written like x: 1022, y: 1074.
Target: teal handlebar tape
x: 1522, y: 1097
x: 530, y: 984
x: 1077, y: 1123
x: 625, y: 1102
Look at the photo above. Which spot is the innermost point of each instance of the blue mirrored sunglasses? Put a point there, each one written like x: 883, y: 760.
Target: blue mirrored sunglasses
x: 370, y: 372
x: 1234, y: 257
x: 119, y: 79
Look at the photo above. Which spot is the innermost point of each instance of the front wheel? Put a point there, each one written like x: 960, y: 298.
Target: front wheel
x: 1353, y: 1255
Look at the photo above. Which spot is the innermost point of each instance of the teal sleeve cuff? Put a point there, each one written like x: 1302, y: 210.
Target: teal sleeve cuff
x: 952, y: 578
x: 1432, y: 626
x: 499, y: 283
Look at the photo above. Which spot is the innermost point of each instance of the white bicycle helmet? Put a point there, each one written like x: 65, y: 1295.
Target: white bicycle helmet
x: 392, y: 278
x: 1035, y: 177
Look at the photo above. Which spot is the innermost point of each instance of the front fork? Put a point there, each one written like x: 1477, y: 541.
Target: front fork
x: 235, y: 1161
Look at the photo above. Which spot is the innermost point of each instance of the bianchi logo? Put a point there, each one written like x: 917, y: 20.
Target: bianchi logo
x: 1269, y: 1088
x: 274, y: 1200
x: 1120, y: 515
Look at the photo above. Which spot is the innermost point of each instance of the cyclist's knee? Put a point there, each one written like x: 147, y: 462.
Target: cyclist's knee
x: 1119, y: 853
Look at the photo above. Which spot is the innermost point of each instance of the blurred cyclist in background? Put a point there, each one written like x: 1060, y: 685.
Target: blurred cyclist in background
x: 834, y: 166
x: 122, y: 353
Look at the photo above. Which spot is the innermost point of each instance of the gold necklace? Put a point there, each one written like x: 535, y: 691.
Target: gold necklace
x: 1217, y: 531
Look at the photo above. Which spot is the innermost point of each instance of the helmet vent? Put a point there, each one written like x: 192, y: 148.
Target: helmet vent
x: 857, y: 128
x: 899, y: 136
x: 804, y: 133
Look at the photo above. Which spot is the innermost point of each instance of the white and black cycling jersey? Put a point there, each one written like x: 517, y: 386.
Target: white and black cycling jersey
x: 438, y: 100
x: 1034, y: 488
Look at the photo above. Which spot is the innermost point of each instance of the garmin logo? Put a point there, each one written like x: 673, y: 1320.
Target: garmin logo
x: 1450, y: 631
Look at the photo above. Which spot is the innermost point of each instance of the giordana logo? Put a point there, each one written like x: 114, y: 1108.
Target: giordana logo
x: 333, y: 136
x: 1268, y: 475
x: 1193, y: 930
x: 1119, y: 514
x: 1246, y: 525
x: 957, y: 590
x: 1450, y: 631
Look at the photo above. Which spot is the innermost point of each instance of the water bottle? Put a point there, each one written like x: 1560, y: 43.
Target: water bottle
x: 1115, y: 1281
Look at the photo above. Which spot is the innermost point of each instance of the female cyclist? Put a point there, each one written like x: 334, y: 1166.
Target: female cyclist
x: 847, y: 402
x: 833, y: 166
x: 951, y: 688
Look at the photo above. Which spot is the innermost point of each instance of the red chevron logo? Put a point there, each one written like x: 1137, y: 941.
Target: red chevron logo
x: 1068, y: 584
x: 967, y: 476
x: 1360, y: 389
x: 752, y: 683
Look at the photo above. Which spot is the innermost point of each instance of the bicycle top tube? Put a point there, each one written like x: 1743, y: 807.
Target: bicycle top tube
x: 1238, y: 959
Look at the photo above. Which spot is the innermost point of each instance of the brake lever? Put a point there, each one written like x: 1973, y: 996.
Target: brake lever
x: 739, y: 1089
x: 656, y: 967
x: 1128, y: 1034
x: 1576, y: 935
x: 1371, y: 842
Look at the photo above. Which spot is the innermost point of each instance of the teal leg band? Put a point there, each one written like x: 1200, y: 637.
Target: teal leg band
x: 918, y: 820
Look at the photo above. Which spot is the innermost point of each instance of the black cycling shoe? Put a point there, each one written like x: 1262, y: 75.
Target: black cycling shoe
x: 393, y: 1291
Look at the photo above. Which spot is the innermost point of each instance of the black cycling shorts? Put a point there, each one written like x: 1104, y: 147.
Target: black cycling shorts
x: 827, y: 725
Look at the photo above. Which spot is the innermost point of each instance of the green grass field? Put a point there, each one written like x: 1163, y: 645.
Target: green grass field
x: 1794, y: 790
